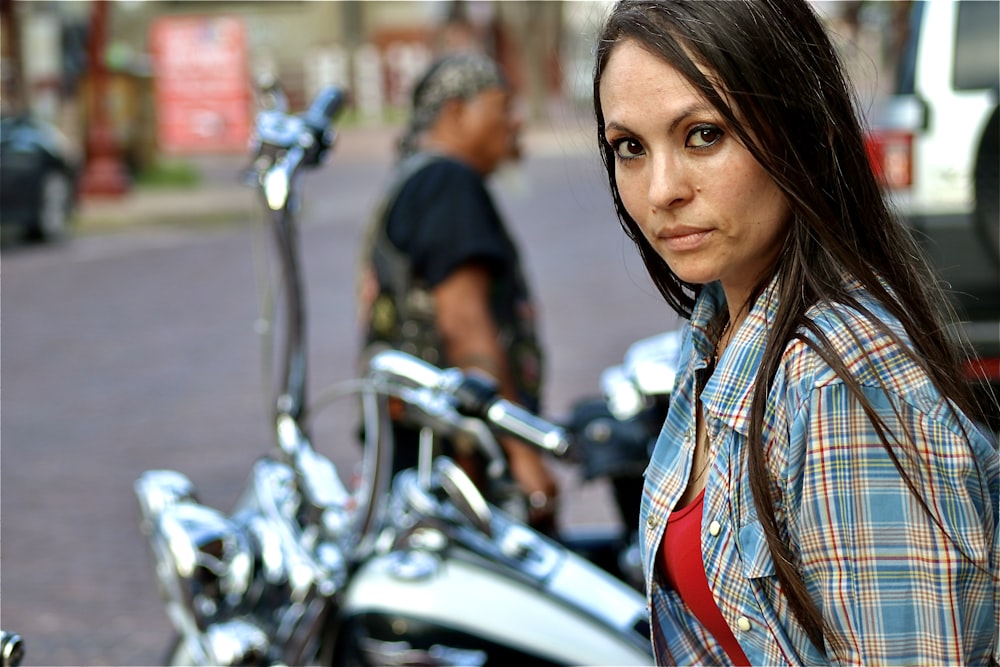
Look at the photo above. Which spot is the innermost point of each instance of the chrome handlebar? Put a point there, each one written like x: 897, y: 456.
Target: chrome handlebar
x: 283, y: 143
x: 468, y: 395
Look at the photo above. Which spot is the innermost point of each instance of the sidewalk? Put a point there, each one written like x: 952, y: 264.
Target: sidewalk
x: 220, y: 198
x: 144, y: 206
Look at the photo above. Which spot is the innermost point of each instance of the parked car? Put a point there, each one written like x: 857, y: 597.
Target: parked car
x: 39, y: 170
x: 936, y: 146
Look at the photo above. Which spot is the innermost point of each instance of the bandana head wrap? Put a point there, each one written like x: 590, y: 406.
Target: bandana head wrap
x: 456, y: 76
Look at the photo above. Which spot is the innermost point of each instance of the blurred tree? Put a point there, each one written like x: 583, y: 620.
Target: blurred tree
x: 11, y: 69
x: 458, y: 33
x: 528, y: 44
x: 352, y: 24
x: 104, y: 173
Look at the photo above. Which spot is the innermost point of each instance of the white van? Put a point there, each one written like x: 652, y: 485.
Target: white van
x: 936, y: 145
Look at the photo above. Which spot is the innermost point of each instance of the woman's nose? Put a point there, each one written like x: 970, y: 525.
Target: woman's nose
x: 669, y: 183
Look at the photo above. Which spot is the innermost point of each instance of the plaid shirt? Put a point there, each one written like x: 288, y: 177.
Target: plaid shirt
x: 891, y: 586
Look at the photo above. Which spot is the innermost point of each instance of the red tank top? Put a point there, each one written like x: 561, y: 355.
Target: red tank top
x: 680, y: 563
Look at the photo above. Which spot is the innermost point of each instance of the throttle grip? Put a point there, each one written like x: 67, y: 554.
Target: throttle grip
x: 515, y: 420
x: 478, y: 395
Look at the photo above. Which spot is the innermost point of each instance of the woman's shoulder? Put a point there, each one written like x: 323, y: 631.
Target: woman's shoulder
x: 864, y: 339
x: 860, y: 334
x: 877, y: 354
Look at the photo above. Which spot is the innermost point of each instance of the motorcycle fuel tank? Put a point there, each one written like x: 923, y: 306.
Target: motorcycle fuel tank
x: 427, y: 608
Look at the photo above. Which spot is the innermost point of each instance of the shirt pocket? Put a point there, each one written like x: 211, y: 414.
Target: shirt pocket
x: 756, y: 557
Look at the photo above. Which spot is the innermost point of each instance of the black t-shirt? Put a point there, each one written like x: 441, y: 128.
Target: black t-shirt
x: 444, y: 217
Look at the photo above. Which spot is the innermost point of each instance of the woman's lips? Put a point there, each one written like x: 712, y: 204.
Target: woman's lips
x: 684, y: 239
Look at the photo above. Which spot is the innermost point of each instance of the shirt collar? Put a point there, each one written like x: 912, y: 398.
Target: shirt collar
x: 727, y: 393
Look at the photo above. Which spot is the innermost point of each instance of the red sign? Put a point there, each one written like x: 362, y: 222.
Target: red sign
x: 201, y: 84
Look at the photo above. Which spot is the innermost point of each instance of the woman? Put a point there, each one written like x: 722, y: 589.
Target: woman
x: 820, y: 491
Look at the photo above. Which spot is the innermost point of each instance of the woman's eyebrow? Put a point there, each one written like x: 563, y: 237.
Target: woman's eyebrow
x: 617, y: 127
x: 694, y: 109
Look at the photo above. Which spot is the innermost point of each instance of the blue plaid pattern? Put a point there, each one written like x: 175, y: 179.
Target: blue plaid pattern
x: 892, y: 587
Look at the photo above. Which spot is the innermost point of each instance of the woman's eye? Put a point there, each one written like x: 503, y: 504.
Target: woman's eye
x: 704, y: 136
x: 627, y: 148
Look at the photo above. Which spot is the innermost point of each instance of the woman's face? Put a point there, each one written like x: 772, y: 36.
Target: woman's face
x: 706, y: 206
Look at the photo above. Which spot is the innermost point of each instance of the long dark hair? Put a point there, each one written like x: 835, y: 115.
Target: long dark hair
x: 769, y: 68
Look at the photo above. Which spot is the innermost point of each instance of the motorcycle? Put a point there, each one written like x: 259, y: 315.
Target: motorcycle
x: 611, y: 438
x: 415, y: 569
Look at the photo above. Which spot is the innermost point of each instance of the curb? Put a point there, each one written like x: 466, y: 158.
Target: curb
x: 220, y: 199
x: 172, y: 206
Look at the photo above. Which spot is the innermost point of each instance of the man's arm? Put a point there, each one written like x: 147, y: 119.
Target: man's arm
x: 471, y: 340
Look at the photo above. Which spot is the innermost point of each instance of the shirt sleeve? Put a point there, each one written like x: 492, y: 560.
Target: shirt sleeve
x: 444, y: 219
x: 898, y: 581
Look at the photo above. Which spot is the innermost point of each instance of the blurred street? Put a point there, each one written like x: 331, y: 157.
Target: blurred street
x: 131, y: 346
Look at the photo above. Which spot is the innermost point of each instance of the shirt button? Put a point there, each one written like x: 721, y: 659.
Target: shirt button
x: 743, y: 623
x: 714, y: 528
x: 651, y: 521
